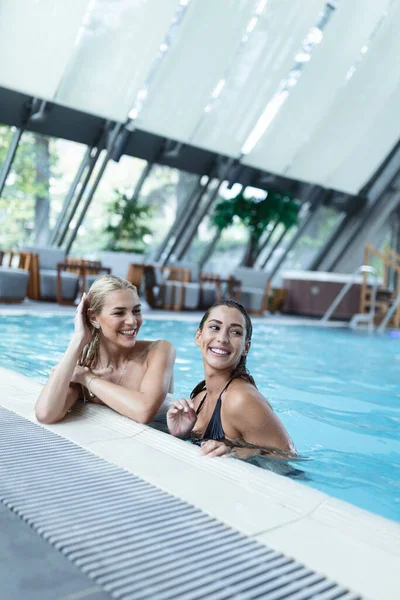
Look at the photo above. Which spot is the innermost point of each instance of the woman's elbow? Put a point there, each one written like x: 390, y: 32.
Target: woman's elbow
x: 144, y: 418
x: 45, y: 417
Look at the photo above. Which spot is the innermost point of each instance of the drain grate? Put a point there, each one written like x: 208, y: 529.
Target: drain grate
x: 136, y: 541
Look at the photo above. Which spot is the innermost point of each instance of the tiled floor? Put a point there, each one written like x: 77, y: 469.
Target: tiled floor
x: 359, y: 550
x: 31, y: 569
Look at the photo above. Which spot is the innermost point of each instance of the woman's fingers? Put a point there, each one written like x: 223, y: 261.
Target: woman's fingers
x: 81, y: 303
x: 182, y: 405
x: 103, y: 372
x: 214, y: 448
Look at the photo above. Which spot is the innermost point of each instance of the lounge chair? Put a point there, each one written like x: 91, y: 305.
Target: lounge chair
x: 87, y: 270
x: 14, y: 276
x: 191, y: 290
x: 254, y: 289
x: 52, y: 281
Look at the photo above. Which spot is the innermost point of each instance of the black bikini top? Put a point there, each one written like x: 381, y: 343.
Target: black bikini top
x: 214, y: 429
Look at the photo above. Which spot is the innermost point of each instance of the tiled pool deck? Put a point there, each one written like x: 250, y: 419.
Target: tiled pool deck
x: 359, y: 550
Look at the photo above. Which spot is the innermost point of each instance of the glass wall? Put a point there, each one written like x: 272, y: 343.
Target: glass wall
x: 230, y: 246
x: 229, y: 250
x: 40, y: 175
x: 119, y: 178
x: 315, y: 236
x: 140, y: 229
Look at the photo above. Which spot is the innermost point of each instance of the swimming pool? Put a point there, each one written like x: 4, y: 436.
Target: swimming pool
x: 337, y: 392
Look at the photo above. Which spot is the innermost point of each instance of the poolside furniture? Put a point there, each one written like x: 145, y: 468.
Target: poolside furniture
x: 254, y: 289
x: 310, y: 293
x: 119, y: 262
x: 277, y: 300
x: 136, y: 276
x: 174, y: 277
x: 14, y: 275
x: 88, y: 270
x: 51, y: 280
x: 189, y: 289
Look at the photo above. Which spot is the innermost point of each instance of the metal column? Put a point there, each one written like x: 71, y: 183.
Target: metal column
x: 65, y: 227
x: 317, y: 197
x: 210, y: 248
x: 177, y: 225
x: 266, y: 241
x: 195, y: 224
x: 275, y: 246
x: 68, y: 199
x: 185, y: 222
x: 10, y: 157
x: 317, y: 260
x: 300, y: 231
x: 110, y: 146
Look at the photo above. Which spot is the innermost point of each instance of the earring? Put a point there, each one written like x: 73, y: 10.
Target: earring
x: 96, y: 325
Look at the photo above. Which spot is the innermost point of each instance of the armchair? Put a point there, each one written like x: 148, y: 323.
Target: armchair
x: 14, y: 275
x: 191, y: 289
x: 49, y: 282
x: 254, y: 290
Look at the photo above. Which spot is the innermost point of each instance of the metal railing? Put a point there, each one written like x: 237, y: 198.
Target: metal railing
x: 391, y: 311
x: 357, y: 318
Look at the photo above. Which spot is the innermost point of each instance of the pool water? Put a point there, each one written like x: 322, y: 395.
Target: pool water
x: 336, y: 391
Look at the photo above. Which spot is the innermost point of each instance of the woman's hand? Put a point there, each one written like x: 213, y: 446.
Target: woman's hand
x: 83, y: 375
x: 80, y: 375
x: 215, y: 448
x: 82, y: 330
x: 181, y: 418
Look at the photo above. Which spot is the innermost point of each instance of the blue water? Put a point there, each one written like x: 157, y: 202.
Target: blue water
x: 336, y: 391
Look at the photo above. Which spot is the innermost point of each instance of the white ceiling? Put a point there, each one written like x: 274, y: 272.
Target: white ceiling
x: 212, y: 73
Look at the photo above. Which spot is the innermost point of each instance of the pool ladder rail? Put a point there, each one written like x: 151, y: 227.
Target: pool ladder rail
x: 390, y: 313
x: 359, y: 318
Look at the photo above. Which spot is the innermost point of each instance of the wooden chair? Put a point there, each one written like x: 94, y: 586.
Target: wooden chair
x: 87, y: 270
x: 49, y: 281
x: 135, y: 274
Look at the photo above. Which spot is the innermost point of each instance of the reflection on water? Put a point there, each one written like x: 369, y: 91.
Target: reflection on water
x: 280, y: 467
x: 336, y: 391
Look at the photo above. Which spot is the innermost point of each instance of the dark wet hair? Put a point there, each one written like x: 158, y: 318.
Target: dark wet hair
x: 240, y: 371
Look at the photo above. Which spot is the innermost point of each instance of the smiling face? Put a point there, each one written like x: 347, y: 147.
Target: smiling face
x: 120, y: 317
x: 222, y: 339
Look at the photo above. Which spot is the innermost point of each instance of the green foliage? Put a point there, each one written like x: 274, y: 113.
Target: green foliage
x: 256, y: 215
x: 127, y: 225
x: 17, y: 203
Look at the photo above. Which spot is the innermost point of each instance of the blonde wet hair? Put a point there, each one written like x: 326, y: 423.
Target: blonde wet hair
x: 96, y: 299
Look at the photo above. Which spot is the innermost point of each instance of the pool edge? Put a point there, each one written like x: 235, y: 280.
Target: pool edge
x: 356, y: 548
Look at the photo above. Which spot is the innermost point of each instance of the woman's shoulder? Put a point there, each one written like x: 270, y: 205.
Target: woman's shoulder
x: 152, y: 347
x: 242, y: 393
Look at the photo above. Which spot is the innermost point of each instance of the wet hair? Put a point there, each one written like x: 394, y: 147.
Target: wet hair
x: 240, y: 371
x: 96, y: 299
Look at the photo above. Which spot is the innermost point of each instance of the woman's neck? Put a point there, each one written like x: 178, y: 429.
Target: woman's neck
x: 216, y: 380
x: 113, y: 357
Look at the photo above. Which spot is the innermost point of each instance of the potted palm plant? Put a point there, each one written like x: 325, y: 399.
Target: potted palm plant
x: 256, y: 215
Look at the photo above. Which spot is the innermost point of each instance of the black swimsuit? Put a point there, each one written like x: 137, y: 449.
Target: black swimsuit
x: 214, y: 429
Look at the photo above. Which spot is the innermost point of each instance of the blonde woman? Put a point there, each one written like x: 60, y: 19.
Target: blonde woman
x: 105, y: 362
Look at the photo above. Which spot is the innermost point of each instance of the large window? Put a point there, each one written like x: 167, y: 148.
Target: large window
x: 309, y: 244
x: 40, y: 175
x: 163, y: 194
x: 118, y: 178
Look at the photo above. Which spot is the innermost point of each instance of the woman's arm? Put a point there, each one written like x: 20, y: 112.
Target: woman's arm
x: 142, y: 405
x: 57, y: 396
x: 257, y: 424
